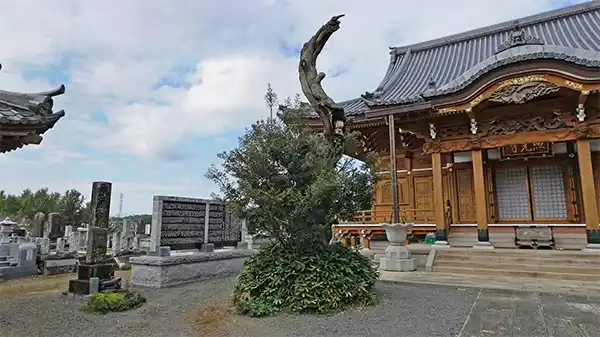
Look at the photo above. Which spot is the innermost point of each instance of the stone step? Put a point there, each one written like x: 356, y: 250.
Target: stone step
x: 520, y: 252
x: 536, y: 260
x: 4, y: 263
x: 555, y: 268
x: 493, y: 270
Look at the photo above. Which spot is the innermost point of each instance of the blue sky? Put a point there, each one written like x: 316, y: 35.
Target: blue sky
x: 155, y: 89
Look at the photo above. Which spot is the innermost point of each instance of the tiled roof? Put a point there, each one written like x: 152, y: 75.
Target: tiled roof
x: 418, y: 72
x: 27, y: 111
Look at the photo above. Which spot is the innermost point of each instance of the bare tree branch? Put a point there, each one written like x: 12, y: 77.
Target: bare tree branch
x: 331, y: 114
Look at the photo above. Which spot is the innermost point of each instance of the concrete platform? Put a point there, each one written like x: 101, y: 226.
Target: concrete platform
x: 496, y: 282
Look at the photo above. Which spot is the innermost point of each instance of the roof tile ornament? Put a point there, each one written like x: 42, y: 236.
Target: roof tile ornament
x: 518, y: 37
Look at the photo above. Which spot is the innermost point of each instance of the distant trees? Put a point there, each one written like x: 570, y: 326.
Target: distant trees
x: 22, y: 208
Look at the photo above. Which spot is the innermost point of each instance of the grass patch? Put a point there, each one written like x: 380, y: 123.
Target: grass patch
x: 215, y: 319
x: 40, y: 285
x: 104, y: 303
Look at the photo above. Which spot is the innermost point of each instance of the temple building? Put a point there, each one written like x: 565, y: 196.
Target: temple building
x: 25, y: 117
x: 490, y: 130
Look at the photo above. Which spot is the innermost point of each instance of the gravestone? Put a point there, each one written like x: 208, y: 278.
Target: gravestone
x: 139, y: 228
x: 54, y: 226
x: 100, y: 203
x: 96, y: 245
x: 17, y: 258
x: 116, y: 244
x: 74, y: 242
x: 37, y: 226
x: 96, y: 265
x: 188, y: 223
x: 178, y: 222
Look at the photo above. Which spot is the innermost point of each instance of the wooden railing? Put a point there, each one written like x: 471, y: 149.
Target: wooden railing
x: 385, y: 216
x: 366, y: 224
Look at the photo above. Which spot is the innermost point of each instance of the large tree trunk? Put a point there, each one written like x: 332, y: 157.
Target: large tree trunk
x: 331, y: 114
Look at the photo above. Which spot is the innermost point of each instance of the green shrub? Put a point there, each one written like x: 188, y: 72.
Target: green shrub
x: 103, y: 303
x: 320, y: 281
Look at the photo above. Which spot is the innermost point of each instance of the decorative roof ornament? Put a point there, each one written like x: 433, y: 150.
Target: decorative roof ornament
x: 373, y: 97
x: 518, y: 37
x: 431, y: 84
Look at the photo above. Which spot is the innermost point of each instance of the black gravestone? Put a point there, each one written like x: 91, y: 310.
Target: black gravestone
x: 182, y: 223
x: 100, y: 203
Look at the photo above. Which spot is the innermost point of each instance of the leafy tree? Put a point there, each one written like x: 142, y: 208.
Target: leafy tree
x: 72, y: 207
x: 23, y: 207
x: 293, y: 184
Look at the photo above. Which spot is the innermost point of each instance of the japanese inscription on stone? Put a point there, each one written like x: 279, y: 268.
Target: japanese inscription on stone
x: 97, y: 241
x: 180, y: 222
x: 187, y: 223
x: 100, y: 203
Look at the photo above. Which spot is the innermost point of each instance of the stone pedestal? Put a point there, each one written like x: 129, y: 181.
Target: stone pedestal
x: 397, y: 258
x: 592, y: 247
x: 105, y: 272
x: 483, y: 245
x: 440, y: 244
x: 207, y: 247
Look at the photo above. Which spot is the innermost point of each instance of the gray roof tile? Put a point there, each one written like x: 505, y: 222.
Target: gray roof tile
x: 571, y: 34
x: 30, y: 108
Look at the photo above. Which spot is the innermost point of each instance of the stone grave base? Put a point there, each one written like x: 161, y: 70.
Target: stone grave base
x: 173, y: 270
x: 81, y: 286
x: 62, y: 266
x: 8, y: 273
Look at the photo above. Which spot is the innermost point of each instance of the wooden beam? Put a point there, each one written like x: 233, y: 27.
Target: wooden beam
x: 438, y: 197
x: 480, y: 199
x: 394, y: 171
x: 588, y: 190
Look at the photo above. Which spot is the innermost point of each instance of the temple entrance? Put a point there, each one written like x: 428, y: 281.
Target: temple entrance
x: 530, y: 192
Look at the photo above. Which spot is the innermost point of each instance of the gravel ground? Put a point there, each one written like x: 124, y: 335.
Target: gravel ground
x: 408, y: 310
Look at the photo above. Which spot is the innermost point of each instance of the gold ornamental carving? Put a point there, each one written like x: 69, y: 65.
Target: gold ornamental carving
x: 521, y: 93
x: 528, y: 87
x: 511, y: 125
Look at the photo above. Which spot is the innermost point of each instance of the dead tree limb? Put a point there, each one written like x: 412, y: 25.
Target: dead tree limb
x: 332, y: 115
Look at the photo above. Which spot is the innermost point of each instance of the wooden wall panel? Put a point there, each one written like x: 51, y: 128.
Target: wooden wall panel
x: 596, y: 170
x: 423, y: 189
x: 466, y: 195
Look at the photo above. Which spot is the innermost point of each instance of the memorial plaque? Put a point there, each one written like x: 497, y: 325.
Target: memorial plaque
x: 180, y: 222
x: 539, y: 149
x: 187, y: 223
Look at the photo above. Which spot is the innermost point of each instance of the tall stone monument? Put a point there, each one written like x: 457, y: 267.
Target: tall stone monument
x: 55, y: 230
x: 37, y: 226
x: 96, y: 264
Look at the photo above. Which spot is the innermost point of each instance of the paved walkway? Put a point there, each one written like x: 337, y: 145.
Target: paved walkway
x: 524, y: 314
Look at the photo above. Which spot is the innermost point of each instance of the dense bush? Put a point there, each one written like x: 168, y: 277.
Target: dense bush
x: 103, y: 303
x: 321, y: 281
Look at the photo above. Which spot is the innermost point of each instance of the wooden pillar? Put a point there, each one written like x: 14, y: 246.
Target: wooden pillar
x: 588, y: 191
x: 438, y: 198
x: 394, y: 170
x: 480, y: 197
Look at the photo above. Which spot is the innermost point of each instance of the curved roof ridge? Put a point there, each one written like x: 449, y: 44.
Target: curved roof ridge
x: 500, y: 27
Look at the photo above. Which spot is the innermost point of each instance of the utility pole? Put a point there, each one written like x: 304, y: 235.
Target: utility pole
x: 120, y: 205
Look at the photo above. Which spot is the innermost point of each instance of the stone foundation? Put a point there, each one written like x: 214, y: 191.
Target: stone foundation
x: 168, y: 271
x: 62, y: 266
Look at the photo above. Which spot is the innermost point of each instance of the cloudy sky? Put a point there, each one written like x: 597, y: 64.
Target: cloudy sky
x: 155, y: 89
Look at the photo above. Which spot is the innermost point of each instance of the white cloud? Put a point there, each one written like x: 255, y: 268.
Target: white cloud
x: 116, y: 53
